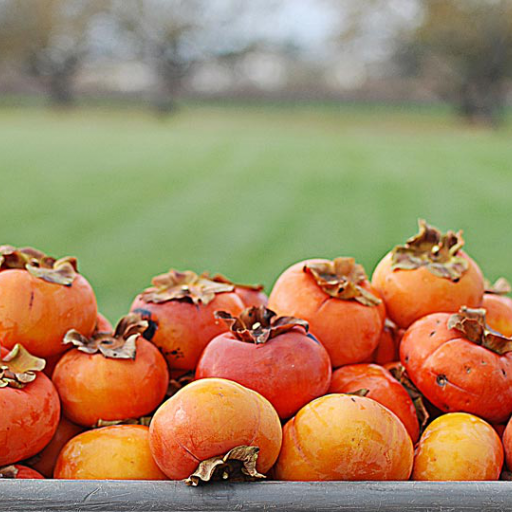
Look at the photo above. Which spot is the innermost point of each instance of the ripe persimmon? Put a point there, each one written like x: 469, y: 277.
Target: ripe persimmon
x: 102, y: 324
x: 213, y: 419
x: 45, y: 460
x: 458, y: 446
x: 387, y: 350
x: 111, y: 377
x: 29, y: 406
x: 344, y: 437
x: 498, y: 307
x: 180, y: 309
x: 382, y: 387
x: 429, y: 274
x: 507, y: 443
x: 17, y: 471
x: 459, y: 364
x: 41, y: 299
x: 118, y: 452
x: 272, y: 355
x: 337, y: 301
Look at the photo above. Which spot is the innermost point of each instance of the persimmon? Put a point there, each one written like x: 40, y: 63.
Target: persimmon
x: 272, y: 355
x: 111, y: 376
x: 251, y: 295
x: 507, y: 443
x: 382, y: 387
x: 20, y: 472
x: 102, y: 324
x: 41, y: 299
x: 215, y: 425
x: 429, y: 274
x: 337, y: 301
x: 119, y: 452
x: 45, y: 460
x: 180, y: 309
x: 29, y: 406
x: 458, y: 447
x: 459, y: 364
x: 344, y: 437
x: 498, y: 307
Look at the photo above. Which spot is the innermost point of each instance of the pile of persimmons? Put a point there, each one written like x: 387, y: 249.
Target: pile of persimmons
x: 332, y: 377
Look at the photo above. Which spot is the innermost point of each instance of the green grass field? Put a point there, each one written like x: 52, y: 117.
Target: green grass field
x: 246, y: 191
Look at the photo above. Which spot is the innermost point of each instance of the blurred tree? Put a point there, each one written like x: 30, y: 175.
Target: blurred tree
x: 49, y: 38
x: 466, y: 46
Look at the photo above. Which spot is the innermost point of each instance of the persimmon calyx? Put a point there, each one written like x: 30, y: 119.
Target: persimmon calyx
x: 471, y: 323
x: 185, y: 286
x: 259, y: 324
x: 19, y: 367
x: 500, y: 287
x: 401, y: 376
x: 238, y: 465
x: 438, y: 252
x: 359, y: 392
x: 176, y: 384
x: 121, y: 344
x: 342, y: 278
x: 219, y: 278
x: 58, y: 271
x: 143, y: 420
x: 9, y: 472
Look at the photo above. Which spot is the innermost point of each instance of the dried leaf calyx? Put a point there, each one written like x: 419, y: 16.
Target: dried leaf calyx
x: 180, y: 382
x: 121, y: 344
x: 431, y: 249
x: 143, y: 420
x: 238, y: 465
x: 18, y: 368
x: 471, y: 323
x: 500, y: 287
x: 9, y: 472
x: 185, y: 286
x: 62, y: 271
x: 343, y: 279
x: 259, y: 324
x: 219, y: 278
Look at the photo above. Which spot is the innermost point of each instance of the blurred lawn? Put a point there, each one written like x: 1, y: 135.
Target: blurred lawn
x: 246, y: 191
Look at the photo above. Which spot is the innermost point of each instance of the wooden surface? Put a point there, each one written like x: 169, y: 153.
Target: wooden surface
x: 124, y: 496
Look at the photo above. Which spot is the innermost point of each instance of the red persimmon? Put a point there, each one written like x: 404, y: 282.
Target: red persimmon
x: 271, y: 355
x: 20, y: 472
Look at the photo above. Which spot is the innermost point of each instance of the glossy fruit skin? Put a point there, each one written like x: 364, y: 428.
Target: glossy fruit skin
x: 93, y: 387
x: 47, y: 458
x: 412, y: 294
x: 251, y: 298
x: 110, y: 453
x: 498, y: 313
x: 382, y: 387
x: 458, y: 447
x: 289, y: 370
x: 348, y: 330
x: 507, y: 443
x: 388, y: 349
x: 208, y: 418
x: 28, y: 419
x: 343, y: 437
x: 25, y: 473
x: 37, y: 314
x: 455, y: 374
x: 182, y: 330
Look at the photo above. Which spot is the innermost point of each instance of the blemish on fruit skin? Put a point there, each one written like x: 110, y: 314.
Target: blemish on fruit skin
x: 468, y: 369
x: 31, y: 300
x: 432, y: 333
x: 441, y: 380
x: 504, y: 372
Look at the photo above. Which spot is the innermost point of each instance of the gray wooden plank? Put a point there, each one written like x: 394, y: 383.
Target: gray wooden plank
x: 126, y: 496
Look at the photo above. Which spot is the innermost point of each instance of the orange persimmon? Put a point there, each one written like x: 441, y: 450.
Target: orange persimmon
x: 337, y: 301
x: 209, y: 418
x: 459, y: 365
x: 507, y: 443
x: 17, y: 471
x: 41, y: 299
x: 111, y: 376
x: 429, y: 274
x: 118, y: 452
x: 382, y: 387
x: 29, y: 406
x: 251, y: 295
x: 180, y: 309
x: 344, y: 437
x: 458, y: 447
x: 387, y: 350
x: 272, y: 355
